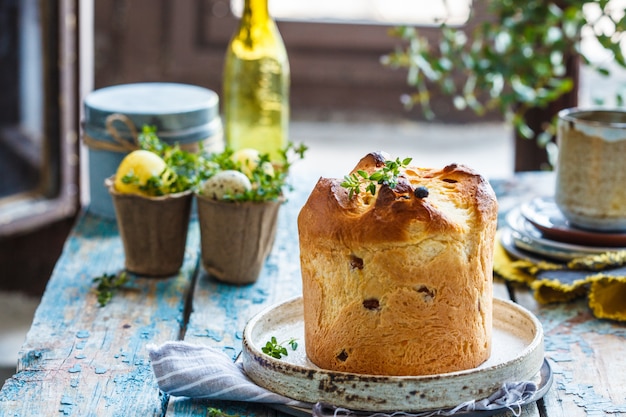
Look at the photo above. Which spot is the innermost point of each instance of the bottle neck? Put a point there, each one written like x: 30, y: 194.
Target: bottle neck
x: 255, y: 11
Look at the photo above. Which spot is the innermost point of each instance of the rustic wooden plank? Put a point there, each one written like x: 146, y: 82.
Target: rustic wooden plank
x: 587, y: 358
x: 221, y: 311
x: 84, y: 360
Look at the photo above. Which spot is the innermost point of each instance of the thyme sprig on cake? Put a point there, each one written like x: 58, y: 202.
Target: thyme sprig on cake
x: 387, y: 175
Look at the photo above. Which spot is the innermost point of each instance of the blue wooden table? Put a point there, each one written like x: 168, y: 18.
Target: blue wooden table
x: 80, y: 359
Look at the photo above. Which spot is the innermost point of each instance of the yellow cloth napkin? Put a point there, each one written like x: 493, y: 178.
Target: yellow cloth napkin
x: 601, y: 278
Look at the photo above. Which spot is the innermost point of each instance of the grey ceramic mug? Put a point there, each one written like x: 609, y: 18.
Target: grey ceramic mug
x: 591, y: 168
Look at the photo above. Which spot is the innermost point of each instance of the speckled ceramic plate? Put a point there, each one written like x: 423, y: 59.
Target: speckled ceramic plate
x: 507, y: 242
x: 543, y: 379
x: 529, y: 238
x: 544, y: 214
x: 517, y: 355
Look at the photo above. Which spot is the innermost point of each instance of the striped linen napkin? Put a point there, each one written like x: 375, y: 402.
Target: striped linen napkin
x: 187, y: 370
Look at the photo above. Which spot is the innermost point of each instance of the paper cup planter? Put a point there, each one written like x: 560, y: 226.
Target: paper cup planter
x: 153, y: 230
x: 236, y: 237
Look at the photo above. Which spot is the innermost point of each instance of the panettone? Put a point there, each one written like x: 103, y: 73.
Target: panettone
x: 399, y: 282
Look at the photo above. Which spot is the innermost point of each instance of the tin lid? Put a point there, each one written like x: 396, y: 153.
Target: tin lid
x: 181, y: 113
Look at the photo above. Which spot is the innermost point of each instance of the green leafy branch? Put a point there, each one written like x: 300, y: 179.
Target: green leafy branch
x: 387, y: 175
x: 107, y: 286
x: 277, y: 350
x: 516, y: 61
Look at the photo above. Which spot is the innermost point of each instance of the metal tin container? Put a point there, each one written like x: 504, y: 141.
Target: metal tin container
x: 183, y: 114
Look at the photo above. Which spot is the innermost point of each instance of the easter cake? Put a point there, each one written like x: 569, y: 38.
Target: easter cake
x: 397, y: 275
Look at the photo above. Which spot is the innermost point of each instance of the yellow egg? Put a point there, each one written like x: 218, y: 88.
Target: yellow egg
x: 249, y: 159
x: 141, y: 164
x: 268, y: 168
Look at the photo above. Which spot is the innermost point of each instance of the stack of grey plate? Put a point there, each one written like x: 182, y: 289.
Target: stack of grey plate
x: 537, y: 230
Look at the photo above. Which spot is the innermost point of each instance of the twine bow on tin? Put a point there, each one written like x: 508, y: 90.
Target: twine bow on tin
x: 123, y: 145
x: 120, y: 145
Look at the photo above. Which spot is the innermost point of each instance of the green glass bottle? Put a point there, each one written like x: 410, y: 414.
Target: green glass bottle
x: 256, y: 78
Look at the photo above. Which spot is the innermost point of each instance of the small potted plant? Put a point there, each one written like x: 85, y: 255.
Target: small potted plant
x: 152, y: 193
x: 523, y: 61
x: 238, y: 207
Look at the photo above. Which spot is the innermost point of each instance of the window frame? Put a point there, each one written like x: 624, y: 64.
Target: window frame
x: 57, y: 195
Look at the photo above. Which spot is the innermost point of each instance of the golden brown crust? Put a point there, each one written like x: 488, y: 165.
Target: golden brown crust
x: 395, y: 284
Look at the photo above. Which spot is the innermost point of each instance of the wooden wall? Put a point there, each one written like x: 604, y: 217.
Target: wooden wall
x: 334, y: 68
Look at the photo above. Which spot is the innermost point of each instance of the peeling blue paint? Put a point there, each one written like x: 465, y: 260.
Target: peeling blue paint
x: 124, y: 356
x: 31, y: 358
x: 73, y: 340
x: 569, y: 331
x: 595, y: 404
x: 212, y: 334
x: 66, y: 409
x: 146, y: 333
x: 136, y: 377
x: 230, y: 351
x: 82, y: 334
x: 560, y: 357
x: 67, y: 404
x: 261, y: 294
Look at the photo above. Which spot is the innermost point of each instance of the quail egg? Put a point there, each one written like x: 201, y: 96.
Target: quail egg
x: 227, y: 183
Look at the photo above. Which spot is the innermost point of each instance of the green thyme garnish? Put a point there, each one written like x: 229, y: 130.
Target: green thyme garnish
x: 156, y: 184
x: 188, y: 170
x: 265, y: 187
x: 387, y: 175
x: 277, y: 350
x: 216, y: 412
x: 108, y: 284
x: 183, y: 168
